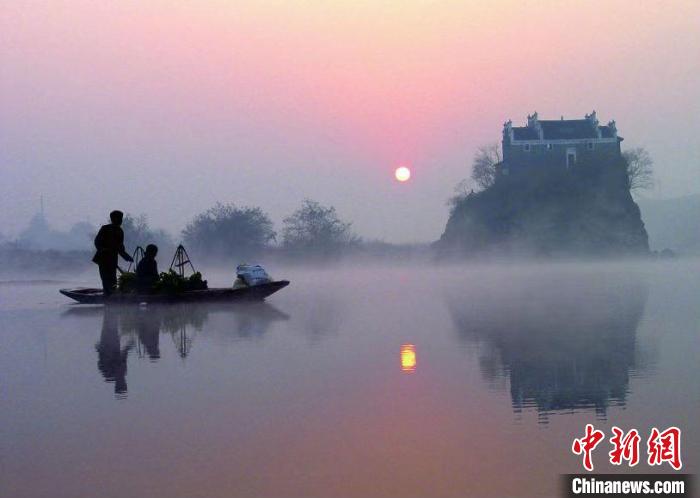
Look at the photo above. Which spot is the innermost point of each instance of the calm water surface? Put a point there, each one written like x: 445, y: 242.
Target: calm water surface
x: 354, y: 382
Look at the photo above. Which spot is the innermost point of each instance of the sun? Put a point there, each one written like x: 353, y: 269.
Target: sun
x: 402, y: 174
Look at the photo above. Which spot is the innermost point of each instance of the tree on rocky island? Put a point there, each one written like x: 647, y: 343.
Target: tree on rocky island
x: 314, y: 229
x: 484, y: 164
x: 463, y: 189
x: 484, y: 171
x: 640, y: 168
x: 226, y: 229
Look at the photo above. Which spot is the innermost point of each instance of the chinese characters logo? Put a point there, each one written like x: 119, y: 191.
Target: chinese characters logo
x: 661, y: 446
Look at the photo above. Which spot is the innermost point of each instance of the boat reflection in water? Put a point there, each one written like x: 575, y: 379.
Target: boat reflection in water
x: 408, y: 358
x: 127, y: 329
x: 562, y: 345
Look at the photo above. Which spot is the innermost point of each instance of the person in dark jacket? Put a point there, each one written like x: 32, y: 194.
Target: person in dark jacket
x: 109, y: 243
x: 147, y: 270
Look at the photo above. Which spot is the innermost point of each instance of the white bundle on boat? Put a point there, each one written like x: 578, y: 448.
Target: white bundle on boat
x: 252, y: 275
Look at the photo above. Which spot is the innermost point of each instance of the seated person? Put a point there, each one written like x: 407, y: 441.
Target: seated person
x: 147, y: 270
x: 239, y: 283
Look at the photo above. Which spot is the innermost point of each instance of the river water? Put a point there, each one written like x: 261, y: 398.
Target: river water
x: 359, y: 381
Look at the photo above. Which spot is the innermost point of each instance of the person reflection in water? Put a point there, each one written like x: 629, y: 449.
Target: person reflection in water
x: 147, y: 270
x: 111, y: 358
x: 109, y: 243
x: 148, y: 329
x: 138, y: 328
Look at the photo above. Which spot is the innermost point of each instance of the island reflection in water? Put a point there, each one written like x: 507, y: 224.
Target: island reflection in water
x: 137, y: 331
x: 560, y: 351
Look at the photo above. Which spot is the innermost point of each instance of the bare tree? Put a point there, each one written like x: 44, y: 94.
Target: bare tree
x: 640, y: 168
x: 486, y: 159
x: 314, y: 228
x: 462, y: 190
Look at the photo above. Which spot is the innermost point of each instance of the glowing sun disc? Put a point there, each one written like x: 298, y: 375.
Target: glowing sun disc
x: 402, y: 174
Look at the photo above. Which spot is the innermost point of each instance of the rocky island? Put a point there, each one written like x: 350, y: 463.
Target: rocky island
x: 561, y: 189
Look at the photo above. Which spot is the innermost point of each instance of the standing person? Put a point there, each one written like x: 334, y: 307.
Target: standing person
x: 109, y: 243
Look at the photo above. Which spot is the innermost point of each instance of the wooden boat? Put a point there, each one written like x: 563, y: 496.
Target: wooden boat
x: 254, y: 293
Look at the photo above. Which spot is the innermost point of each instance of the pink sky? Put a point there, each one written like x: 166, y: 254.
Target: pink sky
x: 265, y: 103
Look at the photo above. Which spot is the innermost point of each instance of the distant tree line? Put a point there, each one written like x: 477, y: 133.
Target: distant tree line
x: 226, y: 230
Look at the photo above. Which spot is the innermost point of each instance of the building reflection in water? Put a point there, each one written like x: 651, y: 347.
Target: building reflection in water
x: 408, y: 358
x: 128, y: 328
x: 563, y: 346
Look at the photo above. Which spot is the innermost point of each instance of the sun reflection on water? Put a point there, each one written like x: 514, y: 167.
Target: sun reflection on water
x: 408, y: 358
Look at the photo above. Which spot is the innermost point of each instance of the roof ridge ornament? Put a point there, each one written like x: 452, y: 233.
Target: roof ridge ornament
x: 593, y: 119
x: 534, y: 123
x: 508, y: 130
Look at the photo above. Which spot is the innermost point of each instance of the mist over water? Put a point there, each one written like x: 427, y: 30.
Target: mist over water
x: 314, y: 394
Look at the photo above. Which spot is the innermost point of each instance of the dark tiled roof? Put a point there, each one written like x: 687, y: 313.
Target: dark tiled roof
x: 563, y: 129
x: 568, y: 129
x: 606, y: 132
x: 524, y: 133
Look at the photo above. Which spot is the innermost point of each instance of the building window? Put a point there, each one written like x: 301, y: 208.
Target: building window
x: 527, y: 147
x: 549, y: 146
x: 570, y: 157
x: 590, y: 145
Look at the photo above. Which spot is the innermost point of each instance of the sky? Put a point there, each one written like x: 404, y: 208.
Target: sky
x: 165, y: 108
